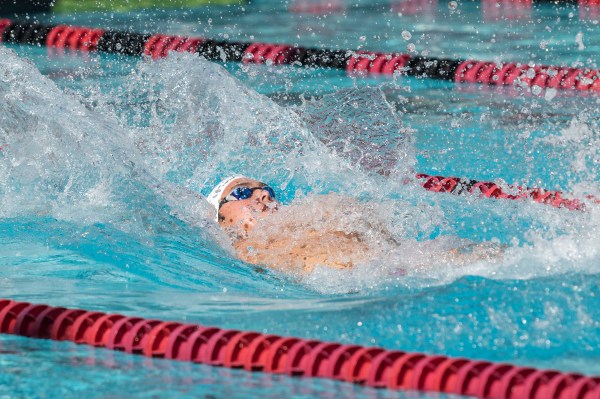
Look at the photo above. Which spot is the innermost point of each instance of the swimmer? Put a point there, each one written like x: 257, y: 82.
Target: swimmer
x: 265, y: 233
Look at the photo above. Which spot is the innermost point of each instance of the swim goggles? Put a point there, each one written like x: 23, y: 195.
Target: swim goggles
x: 242, y: 193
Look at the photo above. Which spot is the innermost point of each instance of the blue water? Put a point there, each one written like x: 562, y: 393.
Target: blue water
x: 106, y: 155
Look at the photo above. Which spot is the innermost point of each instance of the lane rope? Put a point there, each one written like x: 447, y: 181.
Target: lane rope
x: 487, y: 189
x: 254, y: 351
x: 357, y: 63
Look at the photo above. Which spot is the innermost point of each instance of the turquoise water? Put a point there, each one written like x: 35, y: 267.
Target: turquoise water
x: 105, y: 156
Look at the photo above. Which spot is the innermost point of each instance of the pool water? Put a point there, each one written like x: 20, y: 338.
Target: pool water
x: 102, y: 159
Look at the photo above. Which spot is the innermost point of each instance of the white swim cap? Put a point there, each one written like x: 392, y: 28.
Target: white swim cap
x: 215, y: 195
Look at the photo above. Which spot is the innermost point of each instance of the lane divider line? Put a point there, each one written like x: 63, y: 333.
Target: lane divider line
x: 461, y: 186
x: 254, y: 351
x: 358, y: 63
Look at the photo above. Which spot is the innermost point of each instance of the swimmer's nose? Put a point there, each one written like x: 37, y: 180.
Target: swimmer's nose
x: 264, y: 196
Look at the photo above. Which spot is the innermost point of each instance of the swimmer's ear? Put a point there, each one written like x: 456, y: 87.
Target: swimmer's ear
x: 220, y: 218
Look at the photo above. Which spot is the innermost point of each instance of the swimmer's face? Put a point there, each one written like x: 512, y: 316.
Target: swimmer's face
x: 242, y: 214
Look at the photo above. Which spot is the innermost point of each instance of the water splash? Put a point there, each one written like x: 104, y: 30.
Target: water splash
x: 197, y: 124
x: 362, y: 126
x: 61, y: 159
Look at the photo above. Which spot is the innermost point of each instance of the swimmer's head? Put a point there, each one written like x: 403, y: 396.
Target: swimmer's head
x: 240, y: 202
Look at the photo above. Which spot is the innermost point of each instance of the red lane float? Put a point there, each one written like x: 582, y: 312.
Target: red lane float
x: 541, y: 76
x: 84, y: 39
x: 415, y: 7
x: 316, y: 6
x: 4, y: 23
x: 253, y: 351
x: 589, y: 10
x: 264, y: 53
x: 366, y: 62
x: 159, y: 46
x: 496, y: 10
x: 458, y: 186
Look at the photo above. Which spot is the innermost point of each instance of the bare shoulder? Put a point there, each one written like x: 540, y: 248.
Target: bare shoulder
x: 333, y: 249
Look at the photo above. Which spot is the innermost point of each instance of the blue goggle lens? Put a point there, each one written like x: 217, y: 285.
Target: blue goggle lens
x: 242, y: 193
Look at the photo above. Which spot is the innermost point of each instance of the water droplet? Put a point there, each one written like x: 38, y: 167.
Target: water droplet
x: 550, y: 94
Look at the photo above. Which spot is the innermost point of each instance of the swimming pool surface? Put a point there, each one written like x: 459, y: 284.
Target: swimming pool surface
x: 100, y: 156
